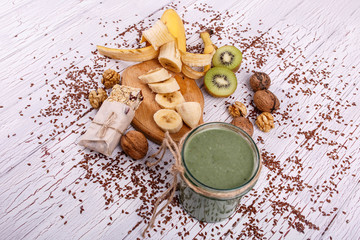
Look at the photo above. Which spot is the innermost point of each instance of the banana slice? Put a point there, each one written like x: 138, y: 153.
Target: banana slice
x: 133, y: 55
x: 190, y: 112
x: 169, y: 100
x: 158, y: 35
x: 155, y: 75
x: 197, y: 59
x: 167, y: 86
x: 170, y: 57
x: 168, y: 120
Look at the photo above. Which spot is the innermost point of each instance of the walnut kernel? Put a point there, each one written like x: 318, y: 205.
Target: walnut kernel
x: 97, y: 98
x: 238, y: 109
x: 110, y: 78
x: 134, y: 144
x: 260, y: 81
x: 266, y: 101
x: 265, y: 122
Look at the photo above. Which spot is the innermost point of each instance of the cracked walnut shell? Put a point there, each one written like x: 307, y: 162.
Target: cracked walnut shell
x: 97, y: 98
x: 265, y: 122
x: 238, y: 109
x: 244, y: 124
x: 110, y: 78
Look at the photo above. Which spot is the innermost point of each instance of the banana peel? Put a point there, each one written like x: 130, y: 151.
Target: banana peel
x: 191, y: 73
x: 209, y: 48
x: 208, y: 45
x: 133, y: 55
x: 176, y: 27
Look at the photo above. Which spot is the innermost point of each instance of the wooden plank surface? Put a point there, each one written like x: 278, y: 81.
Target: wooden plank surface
x: 52, y: 188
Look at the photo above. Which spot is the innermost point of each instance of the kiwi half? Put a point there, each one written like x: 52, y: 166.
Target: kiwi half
x: 220, y: 82
x: 227, y: 56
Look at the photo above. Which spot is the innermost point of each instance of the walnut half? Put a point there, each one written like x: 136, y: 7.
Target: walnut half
x: 110, y: 78
x: 238, y: 109
x: 265, y: 122
x: 97, y: 98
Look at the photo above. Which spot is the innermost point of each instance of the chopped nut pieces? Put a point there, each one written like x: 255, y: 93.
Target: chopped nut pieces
x: 110, y: 78
x: 265, y: 122
x: 260, y: 81
x: 238, y: 109
x: 97, y: 98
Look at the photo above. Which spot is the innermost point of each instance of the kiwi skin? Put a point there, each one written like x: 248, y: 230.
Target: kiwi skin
x: 217, y: 95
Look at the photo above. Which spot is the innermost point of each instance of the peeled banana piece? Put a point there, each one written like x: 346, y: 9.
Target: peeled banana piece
x: 167, y: 86
x: 168, y: 120
x: 190, y: 112
x: 155, y: 75
x: 169, y: 100
x: 158, y: 35
x: 170, y: 57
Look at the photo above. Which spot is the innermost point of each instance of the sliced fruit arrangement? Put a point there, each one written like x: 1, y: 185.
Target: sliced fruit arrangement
x: 168, y: 96
x: 166, y: 41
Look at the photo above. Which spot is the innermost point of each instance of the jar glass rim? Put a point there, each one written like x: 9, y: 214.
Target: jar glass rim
x: 231, y: 127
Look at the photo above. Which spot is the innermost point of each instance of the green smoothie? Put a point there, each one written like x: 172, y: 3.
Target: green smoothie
x: 219, y: 158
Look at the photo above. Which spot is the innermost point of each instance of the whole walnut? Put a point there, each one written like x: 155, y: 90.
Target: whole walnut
x: 266, y: 101
x: 134, y: 144
x: 244, y: 124
x: 260, y: 81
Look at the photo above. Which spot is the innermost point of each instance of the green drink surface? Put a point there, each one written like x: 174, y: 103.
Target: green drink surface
x: 219, y: 158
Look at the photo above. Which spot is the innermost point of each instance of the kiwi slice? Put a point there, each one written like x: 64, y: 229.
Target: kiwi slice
x: 227, y: 56
x: 220, y: 82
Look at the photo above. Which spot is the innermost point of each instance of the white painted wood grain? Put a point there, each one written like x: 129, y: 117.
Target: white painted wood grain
x: 30, y: 198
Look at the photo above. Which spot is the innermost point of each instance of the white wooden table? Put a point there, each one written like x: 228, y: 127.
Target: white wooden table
x: 51, y: 188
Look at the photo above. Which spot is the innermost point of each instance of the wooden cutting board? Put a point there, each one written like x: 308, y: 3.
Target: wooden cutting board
x: 143, y: 120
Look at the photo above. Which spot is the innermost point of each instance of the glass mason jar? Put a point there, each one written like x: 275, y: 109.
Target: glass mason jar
x: 210, y: 204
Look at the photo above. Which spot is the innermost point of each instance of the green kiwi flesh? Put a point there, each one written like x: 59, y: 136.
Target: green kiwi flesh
x: 227, y: 56
x: 220, y: 82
